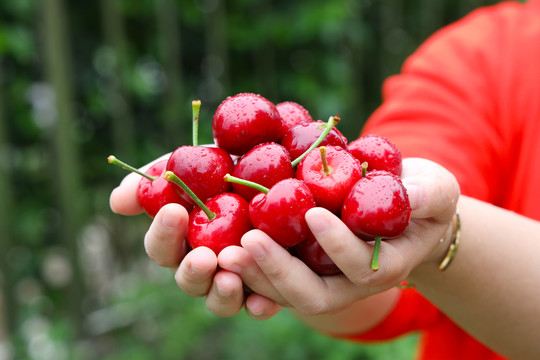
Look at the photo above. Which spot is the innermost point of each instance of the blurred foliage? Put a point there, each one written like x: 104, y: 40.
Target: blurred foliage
x: 82, y: 79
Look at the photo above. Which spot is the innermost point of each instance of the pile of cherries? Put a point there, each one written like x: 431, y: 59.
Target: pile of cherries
x: 270, y: 164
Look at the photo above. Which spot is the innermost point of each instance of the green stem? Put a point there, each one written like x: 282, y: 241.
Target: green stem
x: 244, y: 182
x: 364, y: 168
x: 170, y: 176
x: 376, y: 251
x: 324, y: 161
x: 113, y: 160
x: 329, y: 125
x: 196, y: 107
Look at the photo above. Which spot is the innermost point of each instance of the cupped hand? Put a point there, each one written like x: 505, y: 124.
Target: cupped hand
x: 196, y: 271
x: 280, y: 279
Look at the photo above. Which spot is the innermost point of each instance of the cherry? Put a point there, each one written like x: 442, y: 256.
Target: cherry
x: 154, y: 194
x: 292, y: 114
x: 314, y: 256
x: 377, y: 207
x: 202, y: 168
x: 153, y: 191
x: 265, y: 164
x: 245, y: 120
x: 300, y: 137
x: 329, y: 173
x: 218, y: 223
x: 230, y: 223
x: 378, y: 152
x: 280, y: 210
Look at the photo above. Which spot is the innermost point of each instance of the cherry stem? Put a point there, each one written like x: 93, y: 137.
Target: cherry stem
x: 113, y: 160
x: 196, y: 107
x: 364, y: 167
x: 324, y: 160
x: 251, y: 184
x: 170, y: 176
x: 327, y: 127
x: 376, y: 251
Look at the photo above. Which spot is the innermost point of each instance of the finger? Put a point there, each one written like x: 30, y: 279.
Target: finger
x: 196, y: 272
x: 226, y: 295
x: 301, y: 287
x: 353, y: 255
x: 123, y: 199
x: 236, y: 259
x: 433, y: 191
x: 165, y: 239
x: 259, y: 307
x: 397, y: 257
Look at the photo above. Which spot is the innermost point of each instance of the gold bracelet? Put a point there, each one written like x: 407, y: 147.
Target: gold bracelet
x: 454, y: 244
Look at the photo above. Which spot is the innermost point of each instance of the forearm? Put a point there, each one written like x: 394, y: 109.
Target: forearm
x: 491, y: 289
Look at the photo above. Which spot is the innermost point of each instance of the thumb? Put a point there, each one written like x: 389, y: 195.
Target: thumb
x: 433, y: 191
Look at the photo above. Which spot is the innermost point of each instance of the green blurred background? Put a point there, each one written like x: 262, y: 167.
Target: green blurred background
x: 84, y: 79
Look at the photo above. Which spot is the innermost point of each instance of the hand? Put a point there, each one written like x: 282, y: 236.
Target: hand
x: 165, y: 244
x: 277, y: 278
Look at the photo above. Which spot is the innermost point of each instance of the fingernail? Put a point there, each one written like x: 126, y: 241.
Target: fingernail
x: 317, y: 221
x: 111, y: 202
x: 195, y: 270
x: 414, y: 192
x: 169, y: 221
x: 256, y: 250
x: 257, y: 310
x: 232, y: 267
x: 222, y: 292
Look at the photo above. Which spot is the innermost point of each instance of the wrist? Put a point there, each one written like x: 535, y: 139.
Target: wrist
x: 444, y: 252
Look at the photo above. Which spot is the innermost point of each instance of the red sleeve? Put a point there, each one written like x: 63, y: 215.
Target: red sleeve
x: 444, y: 104
x: 412, y: 312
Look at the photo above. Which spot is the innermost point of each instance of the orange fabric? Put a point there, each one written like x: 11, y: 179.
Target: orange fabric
x: 469, y: 99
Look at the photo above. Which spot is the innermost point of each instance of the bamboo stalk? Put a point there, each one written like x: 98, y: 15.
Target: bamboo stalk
x: 122, y: 120
x: 216, y: 44
x: 265, y: 57
x: 174, y: 108
x: 8, y: 305
x: 431, y: 17
x: 357, y: 57
x: 67, y: 175
x: 119, y: 107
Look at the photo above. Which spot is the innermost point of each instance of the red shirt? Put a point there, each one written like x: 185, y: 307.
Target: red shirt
x: 469, y: 99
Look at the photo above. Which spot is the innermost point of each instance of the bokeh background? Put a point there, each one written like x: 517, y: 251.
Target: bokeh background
x: 80, y: 80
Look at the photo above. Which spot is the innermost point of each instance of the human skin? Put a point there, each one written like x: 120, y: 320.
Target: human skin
x: 490, y: 289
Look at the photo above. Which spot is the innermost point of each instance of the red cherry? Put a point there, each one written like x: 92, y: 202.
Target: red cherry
x: 153, y: 191
x: 280, y: 213
x: 202, y: 169
x: 314, y: 256
x: 154, y: 194
x: 292, y: 114
x: 378, y: 152
x: 245, y: 120
x: 226, y: 228
x: 280, y: 210
x: 377, y: 206
x: 265, y: 164
x: 300, y: 137
x: 330, y: 173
